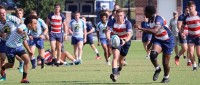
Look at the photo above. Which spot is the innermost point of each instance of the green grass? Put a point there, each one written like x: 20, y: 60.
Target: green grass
x: 139, y: 71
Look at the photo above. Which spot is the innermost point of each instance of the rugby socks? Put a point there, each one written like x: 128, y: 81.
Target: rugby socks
x: 157, y: 68
x: 21, y: 63
x: 42, y: 62
x: 114, y: 71
x: 166, y: 77
x: 24, y: 75
x: 3, y: 74
x: 96, y: 51
x: 119, y: 68
x: 194, y: 65
x: 33, y: 62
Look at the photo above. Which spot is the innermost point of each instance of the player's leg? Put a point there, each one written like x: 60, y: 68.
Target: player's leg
x: 25, y: 58
x: 106, y: 53
x: 11, y: 60
x: 156, y: 49
x: 2, y: 53
x: 176, y: 45
x: 165, y: 62
x: 2, y: 59
x: 53, y: 51
x: 41, y: 53
x: 123, y: 52
x: 116, y: 55
x: 32, y: 58
x: 21, y: 62
x: 95, y: 50
x: 80, y: 49
x: 58, y: 50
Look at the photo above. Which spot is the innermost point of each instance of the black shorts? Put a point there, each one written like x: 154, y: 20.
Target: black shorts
x: 124, y: 49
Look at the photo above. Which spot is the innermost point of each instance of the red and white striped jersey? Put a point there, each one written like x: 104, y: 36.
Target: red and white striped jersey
x: 56, y: 22
x: 193, y: 23
x: 120, y: 29
x: 164, y: 32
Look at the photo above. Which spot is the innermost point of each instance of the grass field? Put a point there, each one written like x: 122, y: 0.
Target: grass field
x: 139, y: 71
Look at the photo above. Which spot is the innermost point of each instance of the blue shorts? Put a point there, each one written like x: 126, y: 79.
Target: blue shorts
x: 193, y: 40
x: 104, y: 41
x: 2, y: 46
x: 89, y: 40
x: 12, y: 52
x: 124, y: 49
x: 38, y: 42
x: 75, y: 40
x: 146, y: 37
x: 56, y: 37
x: 181, y: 40
x: 167, y: 45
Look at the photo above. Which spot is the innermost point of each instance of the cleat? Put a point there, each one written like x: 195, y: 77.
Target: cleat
x: 189, y: 64
x: 125, y: 63
x: 147, y: 57
x: 77, y: 62
x: 98, y: 57
x: 177, y: 60
x: 69, y: 64
x: 156, y: 74
x: 165, y: 80
x: 25, y: 81
x: 194, y: 69
x: 184, y: 57
x: 3, y: 79
x: 108, y: 63
x: 42, y: 66
x: 57, y: 64
x: 113, y: 77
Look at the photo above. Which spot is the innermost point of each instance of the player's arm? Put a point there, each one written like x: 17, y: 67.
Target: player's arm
x: 108, y: 32
x: 48, y: 21
x: 97, y: 31
x: 85, y: 34
x: 25, y: 43
x: 65, y: 27
x: 129, y: 32
x: 70, y: 28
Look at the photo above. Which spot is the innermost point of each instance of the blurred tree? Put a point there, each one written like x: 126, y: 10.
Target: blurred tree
x: 43, y: 7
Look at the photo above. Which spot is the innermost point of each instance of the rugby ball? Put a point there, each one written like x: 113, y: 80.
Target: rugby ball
x: 115, y: 41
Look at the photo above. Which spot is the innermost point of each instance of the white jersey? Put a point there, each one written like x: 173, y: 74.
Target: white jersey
x: 15, y: 40
x: 9, y: 26
x: 101, y: 28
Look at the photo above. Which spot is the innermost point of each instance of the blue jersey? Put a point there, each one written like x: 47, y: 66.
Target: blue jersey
x: 15, y: 40
x: 10, y: 25
x: 89, y: 28
x: 182, y: 17
x: 77, y: 28
x: 41, y: 25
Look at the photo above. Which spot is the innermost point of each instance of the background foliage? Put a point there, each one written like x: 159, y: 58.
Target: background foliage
x: 43, y: 7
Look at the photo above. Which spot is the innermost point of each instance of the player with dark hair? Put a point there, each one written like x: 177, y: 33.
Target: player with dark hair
x: 14, y: 46
x: 101, y: 35
x: 163, y: 42
x: 57, y: 23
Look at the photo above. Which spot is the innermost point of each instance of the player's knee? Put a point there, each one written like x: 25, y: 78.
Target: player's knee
x: 10, y: 65
x: 153, y: 55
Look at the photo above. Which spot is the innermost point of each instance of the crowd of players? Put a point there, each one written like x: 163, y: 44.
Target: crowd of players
x: 18, y: 33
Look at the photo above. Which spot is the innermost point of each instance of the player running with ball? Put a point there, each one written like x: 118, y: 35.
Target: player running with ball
x: 123, y: 29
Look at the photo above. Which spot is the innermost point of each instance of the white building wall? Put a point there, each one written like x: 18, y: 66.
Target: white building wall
x: 165, y: 8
